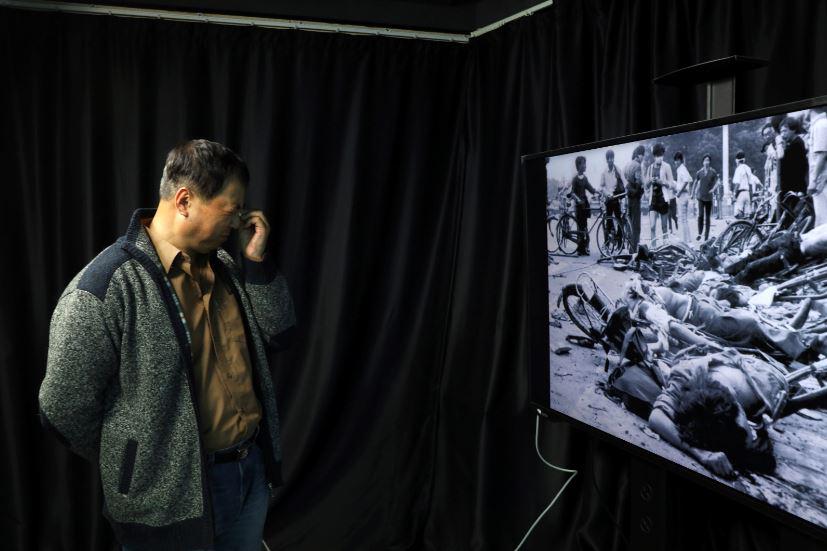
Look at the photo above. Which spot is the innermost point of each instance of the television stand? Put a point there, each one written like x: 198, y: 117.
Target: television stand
x: 648, y: 515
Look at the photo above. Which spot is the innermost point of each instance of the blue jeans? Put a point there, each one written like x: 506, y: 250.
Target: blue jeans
x: 240, y: 497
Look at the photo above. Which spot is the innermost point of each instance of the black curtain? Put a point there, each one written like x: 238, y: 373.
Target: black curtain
x: 390, y: 172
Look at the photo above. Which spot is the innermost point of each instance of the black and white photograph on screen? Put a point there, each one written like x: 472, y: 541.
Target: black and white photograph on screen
x: 688, y: 301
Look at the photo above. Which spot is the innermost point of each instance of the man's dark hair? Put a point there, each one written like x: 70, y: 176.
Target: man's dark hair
x: 775, y: 122
x: 678, y: 157
x: 767, y: 125
x: 729, y: 294
x: 639, y: 150
x: 792, y: 123
x: 204, y: 167
x: 706, y: 417
x: 658, y: 150
x: 707, y: 156
x: 610, y: 153
x: 740, y: 155
x: 579, y: 160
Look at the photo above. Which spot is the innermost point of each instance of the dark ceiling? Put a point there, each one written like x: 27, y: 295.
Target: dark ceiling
x: 452, y: 16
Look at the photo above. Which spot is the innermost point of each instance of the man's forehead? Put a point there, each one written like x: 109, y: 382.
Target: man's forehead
x: 232, y: 194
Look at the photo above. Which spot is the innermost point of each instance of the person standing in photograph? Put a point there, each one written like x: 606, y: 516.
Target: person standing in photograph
x: 793, y: 168
x: 579, y: 185
x: 718, y: 196
x: 818, y: 163
x: 658, y: 177
x: 771, y: 163
x: 742, y: 186
x: 634, y: 191
x: 683, y: 188
x: 611, y: 184
x: 671, y: 199
x: 706, y: 183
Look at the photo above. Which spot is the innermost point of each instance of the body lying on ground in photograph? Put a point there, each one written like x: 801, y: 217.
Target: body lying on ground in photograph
x: 688, y: 301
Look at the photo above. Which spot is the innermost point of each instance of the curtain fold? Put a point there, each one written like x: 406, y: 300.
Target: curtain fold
x: 389, y: 170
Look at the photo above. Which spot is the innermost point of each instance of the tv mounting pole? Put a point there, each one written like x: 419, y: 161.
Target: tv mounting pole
x: 649, y: 507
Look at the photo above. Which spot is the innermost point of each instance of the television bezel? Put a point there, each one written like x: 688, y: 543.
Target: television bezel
x: 534, y: 194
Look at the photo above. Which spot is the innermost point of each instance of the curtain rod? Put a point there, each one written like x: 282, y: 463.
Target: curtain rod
x: 264, y: 22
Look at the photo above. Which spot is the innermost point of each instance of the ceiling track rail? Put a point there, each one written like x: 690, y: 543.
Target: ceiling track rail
x: 264, y: 22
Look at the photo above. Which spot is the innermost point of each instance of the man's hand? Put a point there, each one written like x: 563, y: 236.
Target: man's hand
x: 253, y: 234
x: 717, y: 462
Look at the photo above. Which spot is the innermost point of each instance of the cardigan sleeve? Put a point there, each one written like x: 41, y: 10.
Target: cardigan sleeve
x: 271, y: 301
x: 81, y: 362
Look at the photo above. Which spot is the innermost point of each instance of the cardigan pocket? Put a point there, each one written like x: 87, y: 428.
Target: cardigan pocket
x: 127, y: 466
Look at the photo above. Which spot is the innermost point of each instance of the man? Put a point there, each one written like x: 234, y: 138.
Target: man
x: 657, y: 180
x: 818, y: 164
x: 672, y: 313
x: 742, y: 184
x: 611, y: 184
x: 715, y: 409
x: 793, y: 167
x: 772, y: 155
x: 579, y: 185
x: 157, y: 366
x: 780, y: 252
x: 707, y: 403
x: 683, y: 188
x: 634, y: 191
x: 671, y: 199
x: 706, y: 183
x: 738, y: 327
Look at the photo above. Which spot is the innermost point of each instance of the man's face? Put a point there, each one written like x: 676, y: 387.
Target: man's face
x: 610, y: 161
x: 768, y: 133
x: 706, y: 162
x: 211, y: 221
x: 786, y: 133
x: 581, y: 167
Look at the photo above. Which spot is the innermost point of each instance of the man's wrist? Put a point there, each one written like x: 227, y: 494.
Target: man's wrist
x: 256, y: 258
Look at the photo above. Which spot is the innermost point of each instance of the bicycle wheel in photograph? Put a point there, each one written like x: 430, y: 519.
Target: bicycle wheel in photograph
x: 586, y: 309
x: 551, y: 235
x: 567, y: 234
x: 739, y: 236
x: 610, y: 236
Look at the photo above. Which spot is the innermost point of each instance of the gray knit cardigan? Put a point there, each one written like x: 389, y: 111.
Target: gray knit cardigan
x: 119, y: 386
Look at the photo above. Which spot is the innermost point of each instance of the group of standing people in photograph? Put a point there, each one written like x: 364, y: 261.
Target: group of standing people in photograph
x: 795, y: 160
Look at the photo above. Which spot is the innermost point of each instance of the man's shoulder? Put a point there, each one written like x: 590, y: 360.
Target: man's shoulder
x: 685, y: 370
x: 96, y: 276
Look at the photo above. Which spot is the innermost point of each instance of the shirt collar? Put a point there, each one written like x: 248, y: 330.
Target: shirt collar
x: 167, y: 252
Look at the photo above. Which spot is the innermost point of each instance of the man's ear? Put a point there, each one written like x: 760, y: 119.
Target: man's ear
x: 183, y: 201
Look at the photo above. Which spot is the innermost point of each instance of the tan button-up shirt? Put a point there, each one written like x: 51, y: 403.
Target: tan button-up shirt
x: 228, y: 409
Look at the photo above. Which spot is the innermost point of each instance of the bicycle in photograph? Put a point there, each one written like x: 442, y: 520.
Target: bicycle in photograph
x: 753, y: 232
x: 551, y: 230
x: 612, y: 235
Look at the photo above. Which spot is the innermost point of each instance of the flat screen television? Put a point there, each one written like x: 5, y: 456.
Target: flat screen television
x: 700, y: 345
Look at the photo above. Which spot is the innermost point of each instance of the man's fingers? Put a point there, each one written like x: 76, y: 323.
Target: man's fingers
x: 256, y: 215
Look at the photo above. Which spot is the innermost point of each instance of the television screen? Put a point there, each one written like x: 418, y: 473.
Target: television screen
x: 678, y: 292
